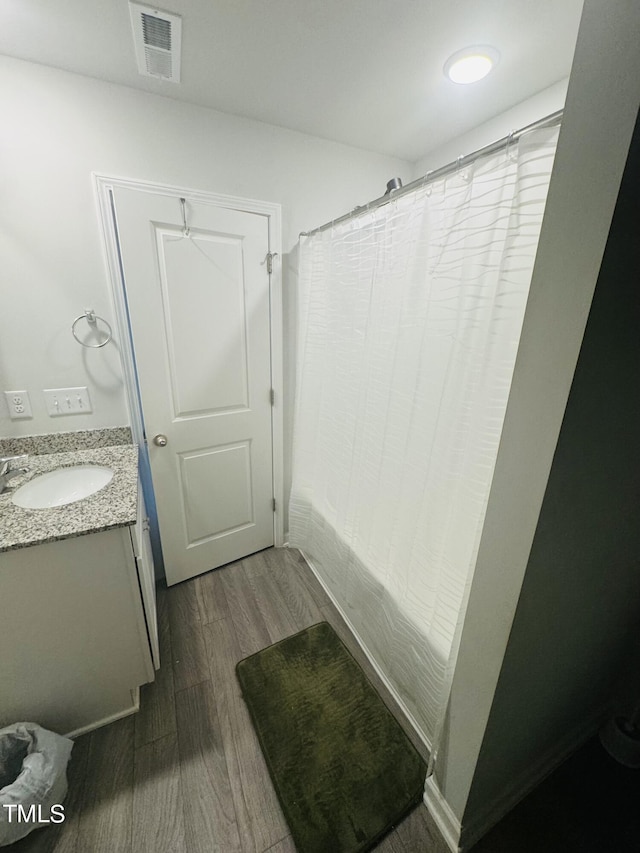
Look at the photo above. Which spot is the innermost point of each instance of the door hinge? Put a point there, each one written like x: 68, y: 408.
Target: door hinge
x: 273, y: 504
x: 270, y: 257
x: 272, y: 397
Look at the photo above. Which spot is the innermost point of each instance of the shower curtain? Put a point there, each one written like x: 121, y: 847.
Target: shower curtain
x: 409, y: 321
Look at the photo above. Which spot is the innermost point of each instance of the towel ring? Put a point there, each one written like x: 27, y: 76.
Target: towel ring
x: 92, y: 319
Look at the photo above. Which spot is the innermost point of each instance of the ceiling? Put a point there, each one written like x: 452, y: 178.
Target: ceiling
x: 363, y: 72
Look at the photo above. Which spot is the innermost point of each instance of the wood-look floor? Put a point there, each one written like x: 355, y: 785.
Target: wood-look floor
x: 186, y: 774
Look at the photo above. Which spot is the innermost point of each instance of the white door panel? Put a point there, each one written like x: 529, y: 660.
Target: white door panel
x: 223, y: 464
x: 204, y: 301
x: 199, y: 309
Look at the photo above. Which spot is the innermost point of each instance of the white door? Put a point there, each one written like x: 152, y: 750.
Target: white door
x: 198, y: 301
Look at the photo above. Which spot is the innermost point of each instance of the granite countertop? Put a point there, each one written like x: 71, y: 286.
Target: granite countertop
x: 113, y: 506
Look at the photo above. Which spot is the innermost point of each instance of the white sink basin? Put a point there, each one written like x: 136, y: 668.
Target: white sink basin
x: 62, y: 486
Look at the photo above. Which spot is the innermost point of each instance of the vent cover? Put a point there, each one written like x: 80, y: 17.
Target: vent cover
x: 156, y: 37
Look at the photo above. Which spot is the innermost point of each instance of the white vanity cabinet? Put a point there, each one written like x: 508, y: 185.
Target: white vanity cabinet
x: 141, y: 544
x: 74, y: 643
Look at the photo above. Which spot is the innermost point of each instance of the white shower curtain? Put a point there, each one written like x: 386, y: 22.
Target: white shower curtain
x: 410, y: 317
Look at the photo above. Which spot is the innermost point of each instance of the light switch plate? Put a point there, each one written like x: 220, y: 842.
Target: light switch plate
x: 19, y: 404
x: 67, y: 401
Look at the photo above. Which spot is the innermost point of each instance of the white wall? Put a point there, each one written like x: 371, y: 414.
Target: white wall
x: 58, y: 128
x: 538, y: 106
x: 590, y: 159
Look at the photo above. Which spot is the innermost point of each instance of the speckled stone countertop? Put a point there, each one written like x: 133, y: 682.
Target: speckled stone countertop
x: 113, y: 506
x: 61, y: 442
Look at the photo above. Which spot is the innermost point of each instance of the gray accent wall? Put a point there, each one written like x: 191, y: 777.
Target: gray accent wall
x: 577, y: 623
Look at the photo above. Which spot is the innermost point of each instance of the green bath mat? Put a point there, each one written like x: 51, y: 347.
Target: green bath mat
x: 342, y: 767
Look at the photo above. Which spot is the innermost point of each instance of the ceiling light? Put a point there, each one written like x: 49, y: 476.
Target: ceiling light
x: 471, y: 64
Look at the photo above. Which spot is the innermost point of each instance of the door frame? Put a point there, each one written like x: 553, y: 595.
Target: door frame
x: 104, y: 186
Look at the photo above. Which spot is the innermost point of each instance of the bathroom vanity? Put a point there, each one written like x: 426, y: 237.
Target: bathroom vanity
x: 77, y: 597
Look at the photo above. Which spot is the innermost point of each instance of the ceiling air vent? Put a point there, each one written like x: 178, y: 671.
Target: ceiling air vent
x: 156, y: 36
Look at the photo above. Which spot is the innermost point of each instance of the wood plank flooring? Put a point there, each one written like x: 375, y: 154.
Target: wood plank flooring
x: 186, y: 774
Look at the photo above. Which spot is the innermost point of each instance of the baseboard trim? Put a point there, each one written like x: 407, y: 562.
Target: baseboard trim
x: 440, y: 810
x: 407, y: 713
x: 549, y: 761
x: 119, y: 715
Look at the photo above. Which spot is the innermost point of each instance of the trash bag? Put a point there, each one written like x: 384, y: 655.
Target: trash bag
x: 33, y: 778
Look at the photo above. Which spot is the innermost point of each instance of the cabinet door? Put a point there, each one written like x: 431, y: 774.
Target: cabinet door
x: 146, y: 576
x: 72, y: 633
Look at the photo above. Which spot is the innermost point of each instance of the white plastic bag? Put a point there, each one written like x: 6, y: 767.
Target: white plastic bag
x: 33, y: 772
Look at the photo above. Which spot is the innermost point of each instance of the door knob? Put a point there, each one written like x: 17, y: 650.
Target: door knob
x: 160, y: 440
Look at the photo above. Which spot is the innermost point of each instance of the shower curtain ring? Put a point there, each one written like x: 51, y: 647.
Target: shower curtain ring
x: 427, y: 181
x: 460, y: 170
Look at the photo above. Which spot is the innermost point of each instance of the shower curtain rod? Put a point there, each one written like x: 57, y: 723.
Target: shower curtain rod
x: 443, y: 171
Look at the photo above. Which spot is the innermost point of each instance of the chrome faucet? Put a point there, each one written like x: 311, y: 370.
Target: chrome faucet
x: 8, y: 470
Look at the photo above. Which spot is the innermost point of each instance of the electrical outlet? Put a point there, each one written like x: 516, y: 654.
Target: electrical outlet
x: 19, y: 404
x: 67, y: 401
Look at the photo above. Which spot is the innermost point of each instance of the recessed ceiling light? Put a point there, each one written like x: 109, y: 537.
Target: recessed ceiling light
x: 471, y: 64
